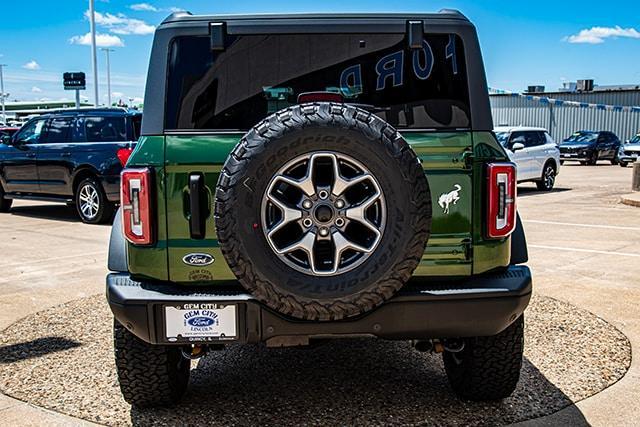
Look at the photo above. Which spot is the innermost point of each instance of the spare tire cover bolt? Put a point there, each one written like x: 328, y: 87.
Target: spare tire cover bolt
x: 307, y: 204
x: 339, y: 204
x: 324, y: 232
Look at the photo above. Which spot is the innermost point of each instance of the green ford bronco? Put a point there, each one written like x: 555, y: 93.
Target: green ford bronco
x: 307, y: 177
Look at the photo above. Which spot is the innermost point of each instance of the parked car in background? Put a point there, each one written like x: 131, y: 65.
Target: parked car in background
x: 8, y: 131
x: 587, y: 147
x: 72, y: 156
x: 629, y: 152
x: 534, y: 152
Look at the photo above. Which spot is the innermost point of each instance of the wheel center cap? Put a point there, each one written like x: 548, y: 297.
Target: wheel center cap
x: 323, y: 213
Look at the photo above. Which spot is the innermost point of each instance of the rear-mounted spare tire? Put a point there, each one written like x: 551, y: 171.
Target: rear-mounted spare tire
x: 323, y: 211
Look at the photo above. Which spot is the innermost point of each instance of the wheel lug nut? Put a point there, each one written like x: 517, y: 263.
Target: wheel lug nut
x: 307, y: 204
x: 324, y: 232
x: 323, y: 194
x: 339, y: 222
x: 339, y: 204
x: 307, y: 222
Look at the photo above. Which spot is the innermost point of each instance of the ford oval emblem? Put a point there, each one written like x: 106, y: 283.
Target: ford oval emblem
x: 201, y: 321
x: 198, y: 260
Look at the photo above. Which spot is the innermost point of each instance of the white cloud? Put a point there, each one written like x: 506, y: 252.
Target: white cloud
x: 117, y: 94
x: 144, y: 7
x: 31, y: 65
x: 102, y: 40
x: 123, y: 25
x: 36, y: 89
x: 597, y: 35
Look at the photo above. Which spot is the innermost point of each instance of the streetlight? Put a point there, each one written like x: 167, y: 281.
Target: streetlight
x: 2, y: 94
x: 106, y: 50
x: 94, y: 57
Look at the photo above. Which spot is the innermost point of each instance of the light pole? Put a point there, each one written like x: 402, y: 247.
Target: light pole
x: 106, y: 51
x: 94, y: 57
x: 4, y: 113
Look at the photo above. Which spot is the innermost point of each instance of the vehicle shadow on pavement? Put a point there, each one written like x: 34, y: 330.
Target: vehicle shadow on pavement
x: 533, y: 191
x: 55, y: 212
x: 356, y: 381
x: 35, y: 348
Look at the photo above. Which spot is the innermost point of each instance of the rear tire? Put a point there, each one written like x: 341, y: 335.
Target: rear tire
x: 488, y: 368
x: 623, y: 164
x: 548, y: 179
x: 337, y: 133
x: 5, y: 204
x: 91, y: 202
x: 149, y: 375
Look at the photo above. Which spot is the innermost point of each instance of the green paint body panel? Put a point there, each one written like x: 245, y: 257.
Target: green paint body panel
x: 455, y: 248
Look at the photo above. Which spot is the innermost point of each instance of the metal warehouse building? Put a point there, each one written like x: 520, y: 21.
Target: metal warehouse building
x: 616, y: 110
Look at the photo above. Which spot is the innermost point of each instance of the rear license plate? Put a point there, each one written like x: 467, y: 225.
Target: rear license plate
x: 200, y: 322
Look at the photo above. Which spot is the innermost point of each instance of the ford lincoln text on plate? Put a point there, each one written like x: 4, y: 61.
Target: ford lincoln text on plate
x: 317, y: 176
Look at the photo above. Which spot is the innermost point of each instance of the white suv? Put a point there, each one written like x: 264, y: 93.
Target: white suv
x: 534, y: 152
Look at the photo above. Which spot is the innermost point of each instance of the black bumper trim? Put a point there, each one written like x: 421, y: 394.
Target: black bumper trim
x: 438, y: 308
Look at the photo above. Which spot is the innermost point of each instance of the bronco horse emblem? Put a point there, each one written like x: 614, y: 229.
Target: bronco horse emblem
x: 447, y: 199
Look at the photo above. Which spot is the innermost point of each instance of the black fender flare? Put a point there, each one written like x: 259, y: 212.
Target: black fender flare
x: 117, y: 260
x: 519, y: 252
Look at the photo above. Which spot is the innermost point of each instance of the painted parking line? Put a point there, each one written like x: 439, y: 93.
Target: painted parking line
x: 573, y: 224
x: 590, y: 251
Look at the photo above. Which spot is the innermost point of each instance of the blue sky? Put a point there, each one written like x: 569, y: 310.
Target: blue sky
x: 534, y: 42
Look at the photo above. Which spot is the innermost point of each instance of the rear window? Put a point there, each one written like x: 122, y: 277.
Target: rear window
x: 59, y: 130
x: 105, y: 129
x: 259, y: 74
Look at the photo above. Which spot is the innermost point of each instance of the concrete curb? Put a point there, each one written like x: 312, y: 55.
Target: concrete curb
x: 632, y: 199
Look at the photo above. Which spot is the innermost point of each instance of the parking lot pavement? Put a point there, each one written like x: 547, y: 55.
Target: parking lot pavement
x: 584, y: 248
x: 47, y: 257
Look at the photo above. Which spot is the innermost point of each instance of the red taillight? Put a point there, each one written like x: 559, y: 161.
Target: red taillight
x: 135, y: 197
x: 123, y: 155
x: 501, y: 209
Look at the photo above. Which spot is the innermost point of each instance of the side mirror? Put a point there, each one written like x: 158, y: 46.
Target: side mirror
x: 627, y: 141
x: 517, y: 146
x: 5, y: 139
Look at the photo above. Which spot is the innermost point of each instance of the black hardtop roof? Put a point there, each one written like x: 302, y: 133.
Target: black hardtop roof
x: 184, y: 24
x: 184, y: 16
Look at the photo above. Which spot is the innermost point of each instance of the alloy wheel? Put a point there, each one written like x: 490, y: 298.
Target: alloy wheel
x: 89, y: 201
x: 323, y: 213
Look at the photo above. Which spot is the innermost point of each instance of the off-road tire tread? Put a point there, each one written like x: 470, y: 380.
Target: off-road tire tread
x: 254, y: 142
x: 490, y: 367
x: 149, y: 375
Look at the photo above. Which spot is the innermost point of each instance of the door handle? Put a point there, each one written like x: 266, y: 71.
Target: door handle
x: 31, y: 154
x: 66, y: 154
x: 197, y: 206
